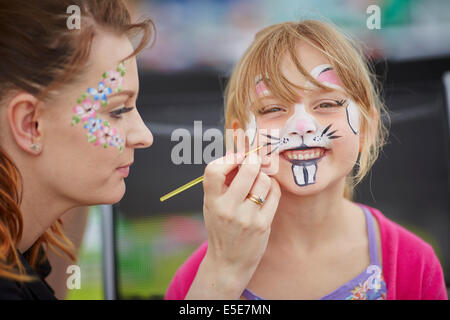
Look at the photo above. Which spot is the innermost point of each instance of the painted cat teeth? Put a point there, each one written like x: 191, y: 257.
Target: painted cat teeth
x: 304, y: 154
x: 305, y: 174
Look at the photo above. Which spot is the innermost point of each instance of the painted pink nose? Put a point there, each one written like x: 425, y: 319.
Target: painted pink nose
x: 304, y: 126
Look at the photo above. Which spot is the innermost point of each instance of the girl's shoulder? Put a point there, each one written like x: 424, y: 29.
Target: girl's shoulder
x: 183, y: 278
x: 410, y: 266
x: 395, y: 237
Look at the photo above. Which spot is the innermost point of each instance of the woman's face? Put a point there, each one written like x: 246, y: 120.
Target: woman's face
x: 89, y: 129
x: 316, y: 140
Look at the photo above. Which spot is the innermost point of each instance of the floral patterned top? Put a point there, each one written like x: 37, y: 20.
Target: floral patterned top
x: 368, y: 285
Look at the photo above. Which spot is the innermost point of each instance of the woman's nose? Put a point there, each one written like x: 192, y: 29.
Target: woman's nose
x: 140, y: 136
x: 304, y: 126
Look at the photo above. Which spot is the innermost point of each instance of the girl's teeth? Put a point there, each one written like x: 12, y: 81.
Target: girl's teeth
x: 295, y: 155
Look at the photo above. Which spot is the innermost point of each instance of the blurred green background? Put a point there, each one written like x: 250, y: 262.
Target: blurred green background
x: 148, y: 255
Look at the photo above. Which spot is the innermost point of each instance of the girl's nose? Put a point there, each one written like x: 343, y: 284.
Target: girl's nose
x: 304, y: 126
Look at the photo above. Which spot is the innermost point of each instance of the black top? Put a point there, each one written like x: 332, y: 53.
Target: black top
x: 31, y: 290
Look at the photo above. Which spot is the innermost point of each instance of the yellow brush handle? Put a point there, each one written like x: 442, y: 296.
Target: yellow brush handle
x: 193, y: 182
x: 181, y: 189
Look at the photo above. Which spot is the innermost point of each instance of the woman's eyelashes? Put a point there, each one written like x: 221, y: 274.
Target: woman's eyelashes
x: 117, y: 113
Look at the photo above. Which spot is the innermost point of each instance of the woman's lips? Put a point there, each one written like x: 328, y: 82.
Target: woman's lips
x: 124, y: 171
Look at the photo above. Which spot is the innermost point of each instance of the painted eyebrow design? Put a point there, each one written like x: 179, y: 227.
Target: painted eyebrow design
x: 325, y: 70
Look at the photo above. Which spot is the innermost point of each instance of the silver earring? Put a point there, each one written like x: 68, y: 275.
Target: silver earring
x: 36, y: 147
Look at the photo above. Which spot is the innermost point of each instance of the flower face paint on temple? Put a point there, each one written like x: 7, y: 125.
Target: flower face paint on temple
x: 98, y: 130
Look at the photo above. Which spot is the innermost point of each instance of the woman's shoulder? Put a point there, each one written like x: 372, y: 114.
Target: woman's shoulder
x: 183, y: 278
x: 410, y: 266
x: 10, y: 289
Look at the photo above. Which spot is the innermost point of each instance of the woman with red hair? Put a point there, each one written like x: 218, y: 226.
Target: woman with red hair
x: 68, y: 126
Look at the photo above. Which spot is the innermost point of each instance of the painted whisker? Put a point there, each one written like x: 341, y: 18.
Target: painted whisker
x: 325, y: 130
x: 270, y: 137
x: 331, y: 133
x: 269, y: 153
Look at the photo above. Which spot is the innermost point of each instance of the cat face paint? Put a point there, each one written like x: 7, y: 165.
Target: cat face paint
x: 328, y: 76
x: 99, y: 131
x: 303, y: 143
x: 260, y: 87
x: 251, y: 127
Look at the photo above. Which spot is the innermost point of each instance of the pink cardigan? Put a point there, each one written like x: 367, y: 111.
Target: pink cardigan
x: 410, y: 267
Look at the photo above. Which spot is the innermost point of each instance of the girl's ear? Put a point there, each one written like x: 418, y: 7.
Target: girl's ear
x: 240, y: 140
x: 235, y: 124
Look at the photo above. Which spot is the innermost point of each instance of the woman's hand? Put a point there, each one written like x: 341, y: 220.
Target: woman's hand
x: 238, y: 228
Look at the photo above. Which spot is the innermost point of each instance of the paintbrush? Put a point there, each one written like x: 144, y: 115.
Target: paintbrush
x: 194, y: 182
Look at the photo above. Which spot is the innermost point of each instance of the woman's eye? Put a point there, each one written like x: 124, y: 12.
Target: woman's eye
x: 116, y: 113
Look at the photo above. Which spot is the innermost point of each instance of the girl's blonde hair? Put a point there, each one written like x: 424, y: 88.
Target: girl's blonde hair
x: 264, y: 57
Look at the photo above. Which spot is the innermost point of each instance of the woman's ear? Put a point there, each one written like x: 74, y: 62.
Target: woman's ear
x: 23, y: 113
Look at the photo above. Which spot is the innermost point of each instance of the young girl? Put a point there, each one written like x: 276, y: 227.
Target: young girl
x: 284, y: 225
x: 68, y: 126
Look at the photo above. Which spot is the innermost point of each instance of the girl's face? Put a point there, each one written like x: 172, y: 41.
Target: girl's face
x: 316, y: 141
x: 89, y: 130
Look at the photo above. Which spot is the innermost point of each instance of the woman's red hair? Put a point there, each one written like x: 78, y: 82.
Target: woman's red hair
x: 38, y: 54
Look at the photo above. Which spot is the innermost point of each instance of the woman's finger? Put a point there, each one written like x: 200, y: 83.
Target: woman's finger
x: 216, y: 172
x: 260, y: 190
x: 243, y: 182
x: 271, y: 204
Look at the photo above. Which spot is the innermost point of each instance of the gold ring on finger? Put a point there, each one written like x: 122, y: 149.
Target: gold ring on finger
x: 255, y: 199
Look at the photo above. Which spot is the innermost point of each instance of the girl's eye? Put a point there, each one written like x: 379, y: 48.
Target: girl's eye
x: 326, y: 105
x: 270, y: 109
x: 116, y: 113
x: 330, y: 104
